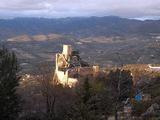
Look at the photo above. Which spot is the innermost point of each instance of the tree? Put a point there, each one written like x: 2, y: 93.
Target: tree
x: 48, y: 90
x: 81, y: 108
x: 120, y: 85
x: 85, y: 91
x: 93, y: 101
x: 9, y: 81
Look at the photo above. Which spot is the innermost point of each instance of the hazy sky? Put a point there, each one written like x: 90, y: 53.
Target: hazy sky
x: 73, y: 8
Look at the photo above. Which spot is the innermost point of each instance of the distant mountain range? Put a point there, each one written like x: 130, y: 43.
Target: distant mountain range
x: 78, y: 27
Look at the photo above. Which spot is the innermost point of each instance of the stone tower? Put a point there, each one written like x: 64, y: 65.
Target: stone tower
x: 62, y: 66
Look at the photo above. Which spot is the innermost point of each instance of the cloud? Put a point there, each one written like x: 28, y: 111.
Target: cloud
x: 70, y: 8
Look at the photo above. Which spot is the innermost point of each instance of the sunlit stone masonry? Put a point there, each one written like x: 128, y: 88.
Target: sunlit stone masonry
x: 70, y: 67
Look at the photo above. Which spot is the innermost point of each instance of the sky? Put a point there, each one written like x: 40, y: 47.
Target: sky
x: 140, y: 9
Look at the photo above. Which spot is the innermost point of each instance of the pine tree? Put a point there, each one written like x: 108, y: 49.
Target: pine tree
x: 81, y: 108
x: 9, y: 81
x: 120, y: 84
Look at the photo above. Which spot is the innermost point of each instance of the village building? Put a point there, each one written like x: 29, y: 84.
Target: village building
x: 154, y: 68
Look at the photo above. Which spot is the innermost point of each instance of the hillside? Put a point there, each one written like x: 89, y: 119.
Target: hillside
x: 79, y: 27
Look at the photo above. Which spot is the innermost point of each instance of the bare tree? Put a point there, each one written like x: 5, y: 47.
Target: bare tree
x: 120, y: 83
x: 47, y: 89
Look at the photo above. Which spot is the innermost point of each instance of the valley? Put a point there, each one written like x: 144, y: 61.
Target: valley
x: 106, y: 41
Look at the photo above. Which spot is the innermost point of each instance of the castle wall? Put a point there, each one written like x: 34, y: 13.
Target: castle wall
x: 61, y: 76
x: 64, y: 79
x: 72, y: 82
x: 84, y: 71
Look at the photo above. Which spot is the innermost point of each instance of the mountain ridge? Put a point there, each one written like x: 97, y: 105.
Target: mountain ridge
x: 78, y: 27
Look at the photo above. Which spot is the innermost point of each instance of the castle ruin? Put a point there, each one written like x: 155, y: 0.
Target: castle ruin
x: 70, y: 67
